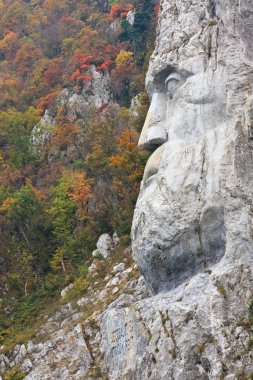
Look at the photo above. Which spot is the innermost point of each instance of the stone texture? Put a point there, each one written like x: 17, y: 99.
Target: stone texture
x: 105, y: 245
x: 4, y: 363
x: 192, y: 228
x: 66, y: 346
x: 66, y: 289
x: 95, y: 93
x: 185, y: 334
x: 77, y: 103
x: 42, y: 132
x: 115, y: 238
x: 193, y: 209
x: 60, y: 351
x: 118, y: 267
x: 65, y: 356
x: 130, y: 17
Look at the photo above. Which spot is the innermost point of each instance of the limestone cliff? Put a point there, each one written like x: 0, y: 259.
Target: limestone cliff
x: 77, y: 103
x: 192, y: 229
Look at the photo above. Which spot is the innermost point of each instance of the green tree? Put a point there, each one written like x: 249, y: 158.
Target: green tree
x: 22, y: 217
x: 62, y: 211
x: 15, y: 134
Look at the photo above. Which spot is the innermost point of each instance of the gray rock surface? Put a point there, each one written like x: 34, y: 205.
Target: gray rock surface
x: 194, y: 208
x: 105, y: 245
x: 4, y: 363
x: 42, y: 133
x: 64, y: 356
x: 118, y: 267
x: 189, y: 333
x: 192, y: 228
x: 66, y: 346
x: 95, y: 93
x: 60, y: 351
x: 77, y: 103
x: 65, y: 290
x: 130, y: 17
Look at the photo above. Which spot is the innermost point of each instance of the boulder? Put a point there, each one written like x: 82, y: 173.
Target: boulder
x: 105, y: 245
x: 66, y: 289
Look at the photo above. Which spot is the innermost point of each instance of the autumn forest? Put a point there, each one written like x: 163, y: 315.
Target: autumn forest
x: 72, y: 104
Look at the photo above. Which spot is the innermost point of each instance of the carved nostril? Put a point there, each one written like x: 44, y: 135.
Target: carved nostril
x: 153, y: 133
x: 155, y: 137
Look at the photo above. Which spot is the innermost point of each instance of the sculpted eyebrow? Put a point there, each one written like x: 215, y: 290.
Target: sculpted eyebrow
x: 172, y: 76
x: 161, y: 78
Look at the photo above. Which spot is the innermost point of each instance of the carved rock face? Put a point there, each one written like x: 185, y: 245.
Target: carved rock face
x: 199, y: 130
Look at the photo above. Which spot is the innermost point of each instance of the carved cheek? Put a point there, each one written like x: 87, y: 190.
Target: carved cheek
x: 198, y: 90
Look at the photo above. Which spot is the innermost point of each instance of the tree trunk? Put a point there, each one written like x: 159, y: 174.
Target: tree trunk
x: 63, y: 264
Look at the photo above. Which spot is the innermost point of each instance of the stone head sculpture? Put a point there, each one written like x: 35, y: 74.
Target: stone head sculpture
x: 194, y: 207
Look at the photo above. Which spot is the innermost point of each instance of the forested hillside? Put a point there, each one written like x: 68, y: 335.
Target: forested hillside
x: 70, y: 167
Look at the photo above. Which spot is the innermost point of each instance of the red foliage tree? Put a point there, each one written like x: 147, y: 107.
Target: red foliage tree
x: 47, y: 101
x: 120, y: 11
x: 81, y: 63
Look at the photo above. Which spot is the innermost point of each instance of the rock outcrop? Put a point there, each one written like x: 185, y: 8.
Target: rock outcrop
x: 77, y: 103
x: 192, y: 228
x: 66, y: 346
x: 198, y: 182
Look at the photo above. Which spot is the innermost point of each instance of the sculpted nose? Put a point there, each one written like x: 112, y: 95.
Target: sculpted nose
x: 153, y: 132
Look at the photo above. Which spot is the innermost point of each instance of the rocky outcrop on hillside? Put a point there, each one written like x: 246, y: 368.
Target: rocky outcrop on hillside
x: 95, y: 93
x: 67, y: 344
x: 77, y: 104
x: 197, y: 331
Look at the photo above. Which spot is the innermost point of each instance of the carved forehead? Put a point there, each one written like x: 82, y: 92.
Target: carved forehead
x: 195, y: 36
x: 187, y: 22
x: 184, y: 38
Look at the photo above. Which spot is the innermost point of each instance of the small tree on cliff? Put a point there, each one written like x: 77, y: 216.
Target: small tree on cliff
x: 68, y: 207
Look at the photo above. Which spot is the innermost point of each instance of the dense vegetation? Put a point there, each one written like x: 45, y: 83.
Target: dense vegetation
x: 56, y: 201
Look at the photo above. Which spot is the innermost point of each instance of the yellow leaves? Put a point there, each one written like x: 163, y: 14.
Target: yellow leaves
x: 125, y: 114
x: 10, y: 82
x: 7, y: 204
x: 87, y: 32
x: 53, y: 4
x: 27, y: 56
x: 67, y: 45
x: 74, y: 186
x: 36, y: 192
x: 128, y: 140
x: 124, y: 58
x: 117, y: 161
x: 81, y: 191
x: 66, y: 134
x: 7, y: 38
x: 32, y: 22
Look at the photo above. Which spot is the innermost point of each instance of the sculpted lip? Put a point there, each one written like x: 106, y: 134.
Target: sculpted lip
x: 152, y: 164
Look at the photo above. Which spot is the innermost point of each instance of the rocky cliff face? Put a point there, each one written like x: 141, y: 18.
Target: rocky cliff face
x: 68, y: 343
x: 77, y: 103
x: 192, y: 229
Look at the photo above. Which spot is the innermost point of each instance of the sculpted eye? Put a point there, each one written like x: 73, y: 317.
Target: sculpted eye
x: 171, y: 87
x: 172, y: 82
